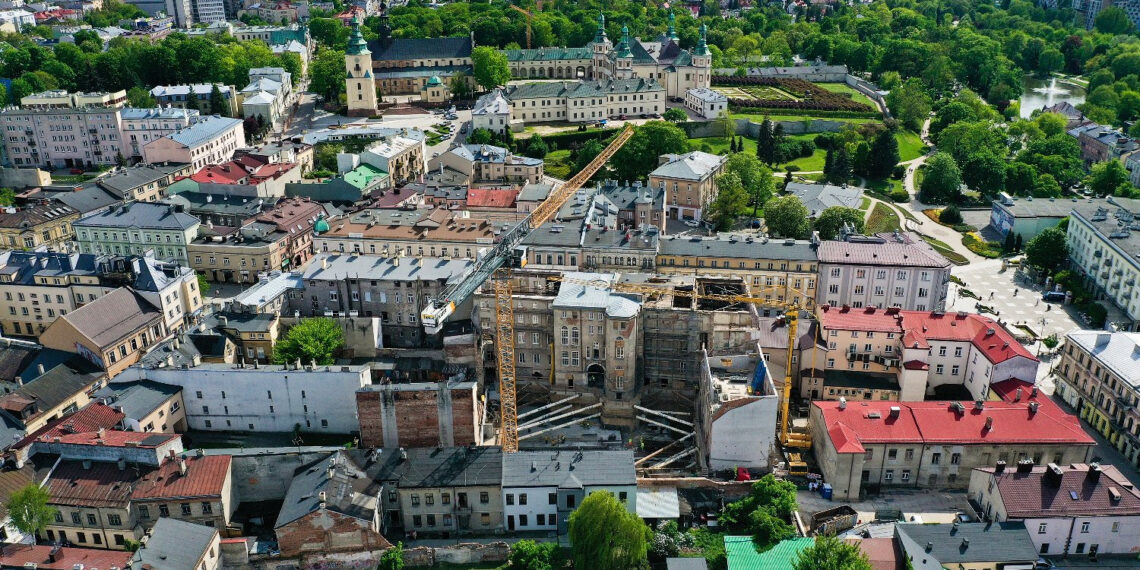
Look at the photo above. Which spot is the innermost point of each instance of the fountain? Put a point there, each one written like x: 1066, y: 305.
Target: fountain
x: 1038, y: 93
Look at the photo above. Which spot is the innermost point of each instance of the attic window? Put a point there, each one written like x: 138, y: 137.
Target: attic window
x: 1073, y: 495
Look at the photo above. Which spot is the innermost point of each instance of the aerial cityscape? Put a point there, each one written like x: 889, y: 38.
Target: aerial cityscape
x: 538, y: 285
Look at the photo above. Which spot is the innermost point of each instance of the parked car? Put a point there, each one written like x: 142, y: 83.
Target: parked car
x: 692, y: 223
x: 1054, y: 297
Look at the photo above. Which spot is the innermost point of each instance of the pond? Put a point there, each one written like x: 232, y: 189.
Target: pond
x: 1040, y: 93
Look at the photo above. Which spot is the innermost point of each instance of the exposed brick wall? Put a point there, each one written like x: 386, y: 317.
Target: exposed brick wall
x: 417, y: 417
x: 327, y: 531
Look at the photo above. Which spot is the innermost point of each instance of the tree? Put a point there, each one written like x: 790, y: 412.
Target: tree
x: 1049, y: 61
x: 204, y: 285
x: 765, y: 146
x: 840, y: 171
x: 1107, y: 177
x: 730, y: 200
x: 329, y: 32
x: 140, y: 98
x: 675, y: 115
x: 786, y: 217
x: 833, y: 554
x: 589, y: 151
x: 1115, y: 21
x: 950, y: 215
x: 1047, y: 250
x: 326, y: 73
x: 460, y: 89
x: 832, y: 219
x: 764, y: 513
x: 883, y: 156
x: 29, y: 509
x: 491, y: 68
x: 531, y: 555
x: 218, y: 104
x: 393, y: 558
x: 7, y: 197
x: 316, y: 339
x: 639, y: 155
x: 604, y: 535
x: 910, y: 104
x: 480, y: 136
x: 941, y: 180
x: 755, y: 178
x: 536, y: 147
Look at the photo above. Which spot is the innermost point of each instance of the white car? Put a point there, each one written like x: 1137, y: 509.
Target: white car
x: 692, y: 223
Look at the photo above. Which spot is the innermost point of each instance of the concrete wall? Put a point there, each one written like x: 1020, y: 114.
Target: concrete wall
x: 422, y: 414
x: 264, y: 474
x: 223, y: 397
x: 144, y: 455
x: 24, y: 177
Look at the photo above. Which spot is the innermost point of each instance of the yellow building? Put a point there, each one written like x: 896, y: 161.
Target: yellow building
x: 360, y: 87
x: 43, y: 224
x: 435, y: 91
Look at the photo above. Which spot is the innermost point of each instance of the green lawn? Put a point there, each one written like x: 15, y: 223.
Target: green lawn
x: 558, y: 163
x: 946, y: 251
x: 883, y: 219
x: 866, y: 203
x: 910, y: 145
x: 718, y: 145
x: 845, y: 88
x: 759, y: 117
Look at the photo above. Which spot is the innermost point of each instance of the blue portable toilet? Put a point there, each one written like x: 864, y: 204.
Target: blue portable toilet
x: 826, y: 491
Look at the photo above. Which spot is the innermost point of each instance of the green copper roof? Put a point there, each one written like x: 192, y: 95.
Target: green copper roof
x: 363, y: 176
x: 600, y: 36
x: 434, y: 80
x: 356, y: 43
x: 742, y: 553
x: 321, y: 225
x: 703, y: 45
x: 672, y: 25
x: 623, y: 47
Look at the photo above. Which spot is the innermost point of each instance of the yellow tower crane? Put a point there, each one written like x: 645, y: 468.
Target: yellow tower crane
x: 496, y: 266
x: 529, y: 20
x: 792, y: 310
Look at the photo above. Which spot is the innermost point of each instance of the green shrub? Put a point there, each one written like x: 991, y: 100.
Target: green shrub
x: 900, y: 195
x: 950, y: 215
x: 980, y: 247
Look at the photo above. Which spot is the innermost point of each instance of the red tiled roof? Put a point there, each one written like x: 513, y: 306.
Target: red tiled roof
x: 1033, y: 495
x: 882, y: 553
x: 916, y: 365
x: 491, y: 197
x: 89, y: 419
x: 204, y: 477
x: 271, y: 171
x: 19, y: 555
x: 226, y: 173
x: 247, y: 160
x: 1006, y: 390
x: 939, y: 422
x: 918, y: 328
x: 112, y: 438
x: 102, y: 484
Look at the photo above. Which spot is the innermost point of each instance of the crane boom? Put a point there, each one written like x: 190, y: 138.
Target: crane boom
x: 439, y: 309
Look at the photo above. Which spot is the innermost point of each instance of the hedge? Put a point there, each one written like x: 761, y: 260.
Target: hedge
x: 814, y: 97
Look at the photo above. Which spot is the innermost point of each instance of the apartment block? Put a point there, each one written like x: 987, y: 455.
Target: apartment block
x: 1074, y: 509
x: 897, y: 270
x: 238, y: 255
x: 440, y: 491
x: 63, y: 100
x: 141, y: 126
x: 403, y: 158
x: 113, y: 331
x: 1103, y: 251
x: 486, y: 163
x: 40, y: 224
x: 394, y: 233
x: 140, y: 183
x: 541, y: 489
x: 391, y: 289
x: 882, y: 445
x: 1097, y: 377
x: 864, y: 354
x: 197, y: 97
x: 55, y: 138
x: 134, y: 228
x: 689, y: 181
x: 212, y: 140
x: 267, y: 398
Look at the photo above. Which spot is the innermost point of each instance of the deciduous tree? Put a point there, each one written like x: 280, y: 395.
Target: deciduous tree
x: 941, y: 180
x: 316, y: 339
x: 1047, y: 250
x: 833, y: 554
x: 604, y: 535
x: 786, y: 216
x: 491, y: 68
x: 831, y: 220
x: 639, y: 155
x: 28, y: 507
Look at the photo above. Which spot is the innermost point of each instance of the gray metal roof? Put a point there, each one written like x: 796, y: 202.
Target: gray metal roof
x: 1113, y: 222
x: 154, y: 275
x: 971, y: 542
x: 175, y: 544
x: 113, y: 316
x: 89, y: 199
x: 568, y: 468
x: 123, y: 182
x: 797, y: 250
x: 138, y: 399
x: 268, y: 289
x: 143, y: 215
x: 819, y: 197
x: 451, y: 466
x: 695, y: 165
x: 577, y: 296
x: 1118, y: 352
x: 902, y: 249
x: 337, y: 267
x: 1029, y: 207
x: 137, y: 113
x: 552, y: 234
x: 204, y: 131
x: 345, y: 490
x: 534, y: 192
x: 422, y: 48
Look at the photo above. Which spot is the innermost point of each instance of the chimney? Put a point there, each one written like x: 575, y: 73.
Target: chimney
x: 989, y: 423
x: 182, y: 467
x: 56, y: 553
x: 19, y: 381
x: 223, y: 320
x: 1033, y: 408
x: 1094, y: 473
x: 323, y: 496
x: 999, y: 468
x: 979, y: 405
x: 842, y: 403
x: 1053, y: 475
x: 1017, y: 396
x: 173, y: 454
x: 1033, y: 392
x: 324, y: 262
x: 101, y: 432
x: 896, y: 411
x: 403, y: 454
x: 40, y: 367
x: 1025, y: 466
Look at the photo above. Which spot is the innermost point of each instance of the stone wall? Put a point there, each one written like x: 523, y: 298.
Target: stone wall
x: 24, y: 177
x: 419, y: 557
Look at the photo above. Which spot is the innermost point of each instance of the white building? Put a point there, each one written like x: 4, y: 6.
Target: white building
x: 1105, y: 253
x: 141, y: 126
x: 16, y: 19
x: 736, y: 413
x: 228, y: 397
x: 542, y: 488
x: 212, y: 140
x: 173, y: 288
x: 209, y: 11
x: 1068, y: 510
x: 576, y: 101
x: 706, y: 102
x: 492, y: 112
